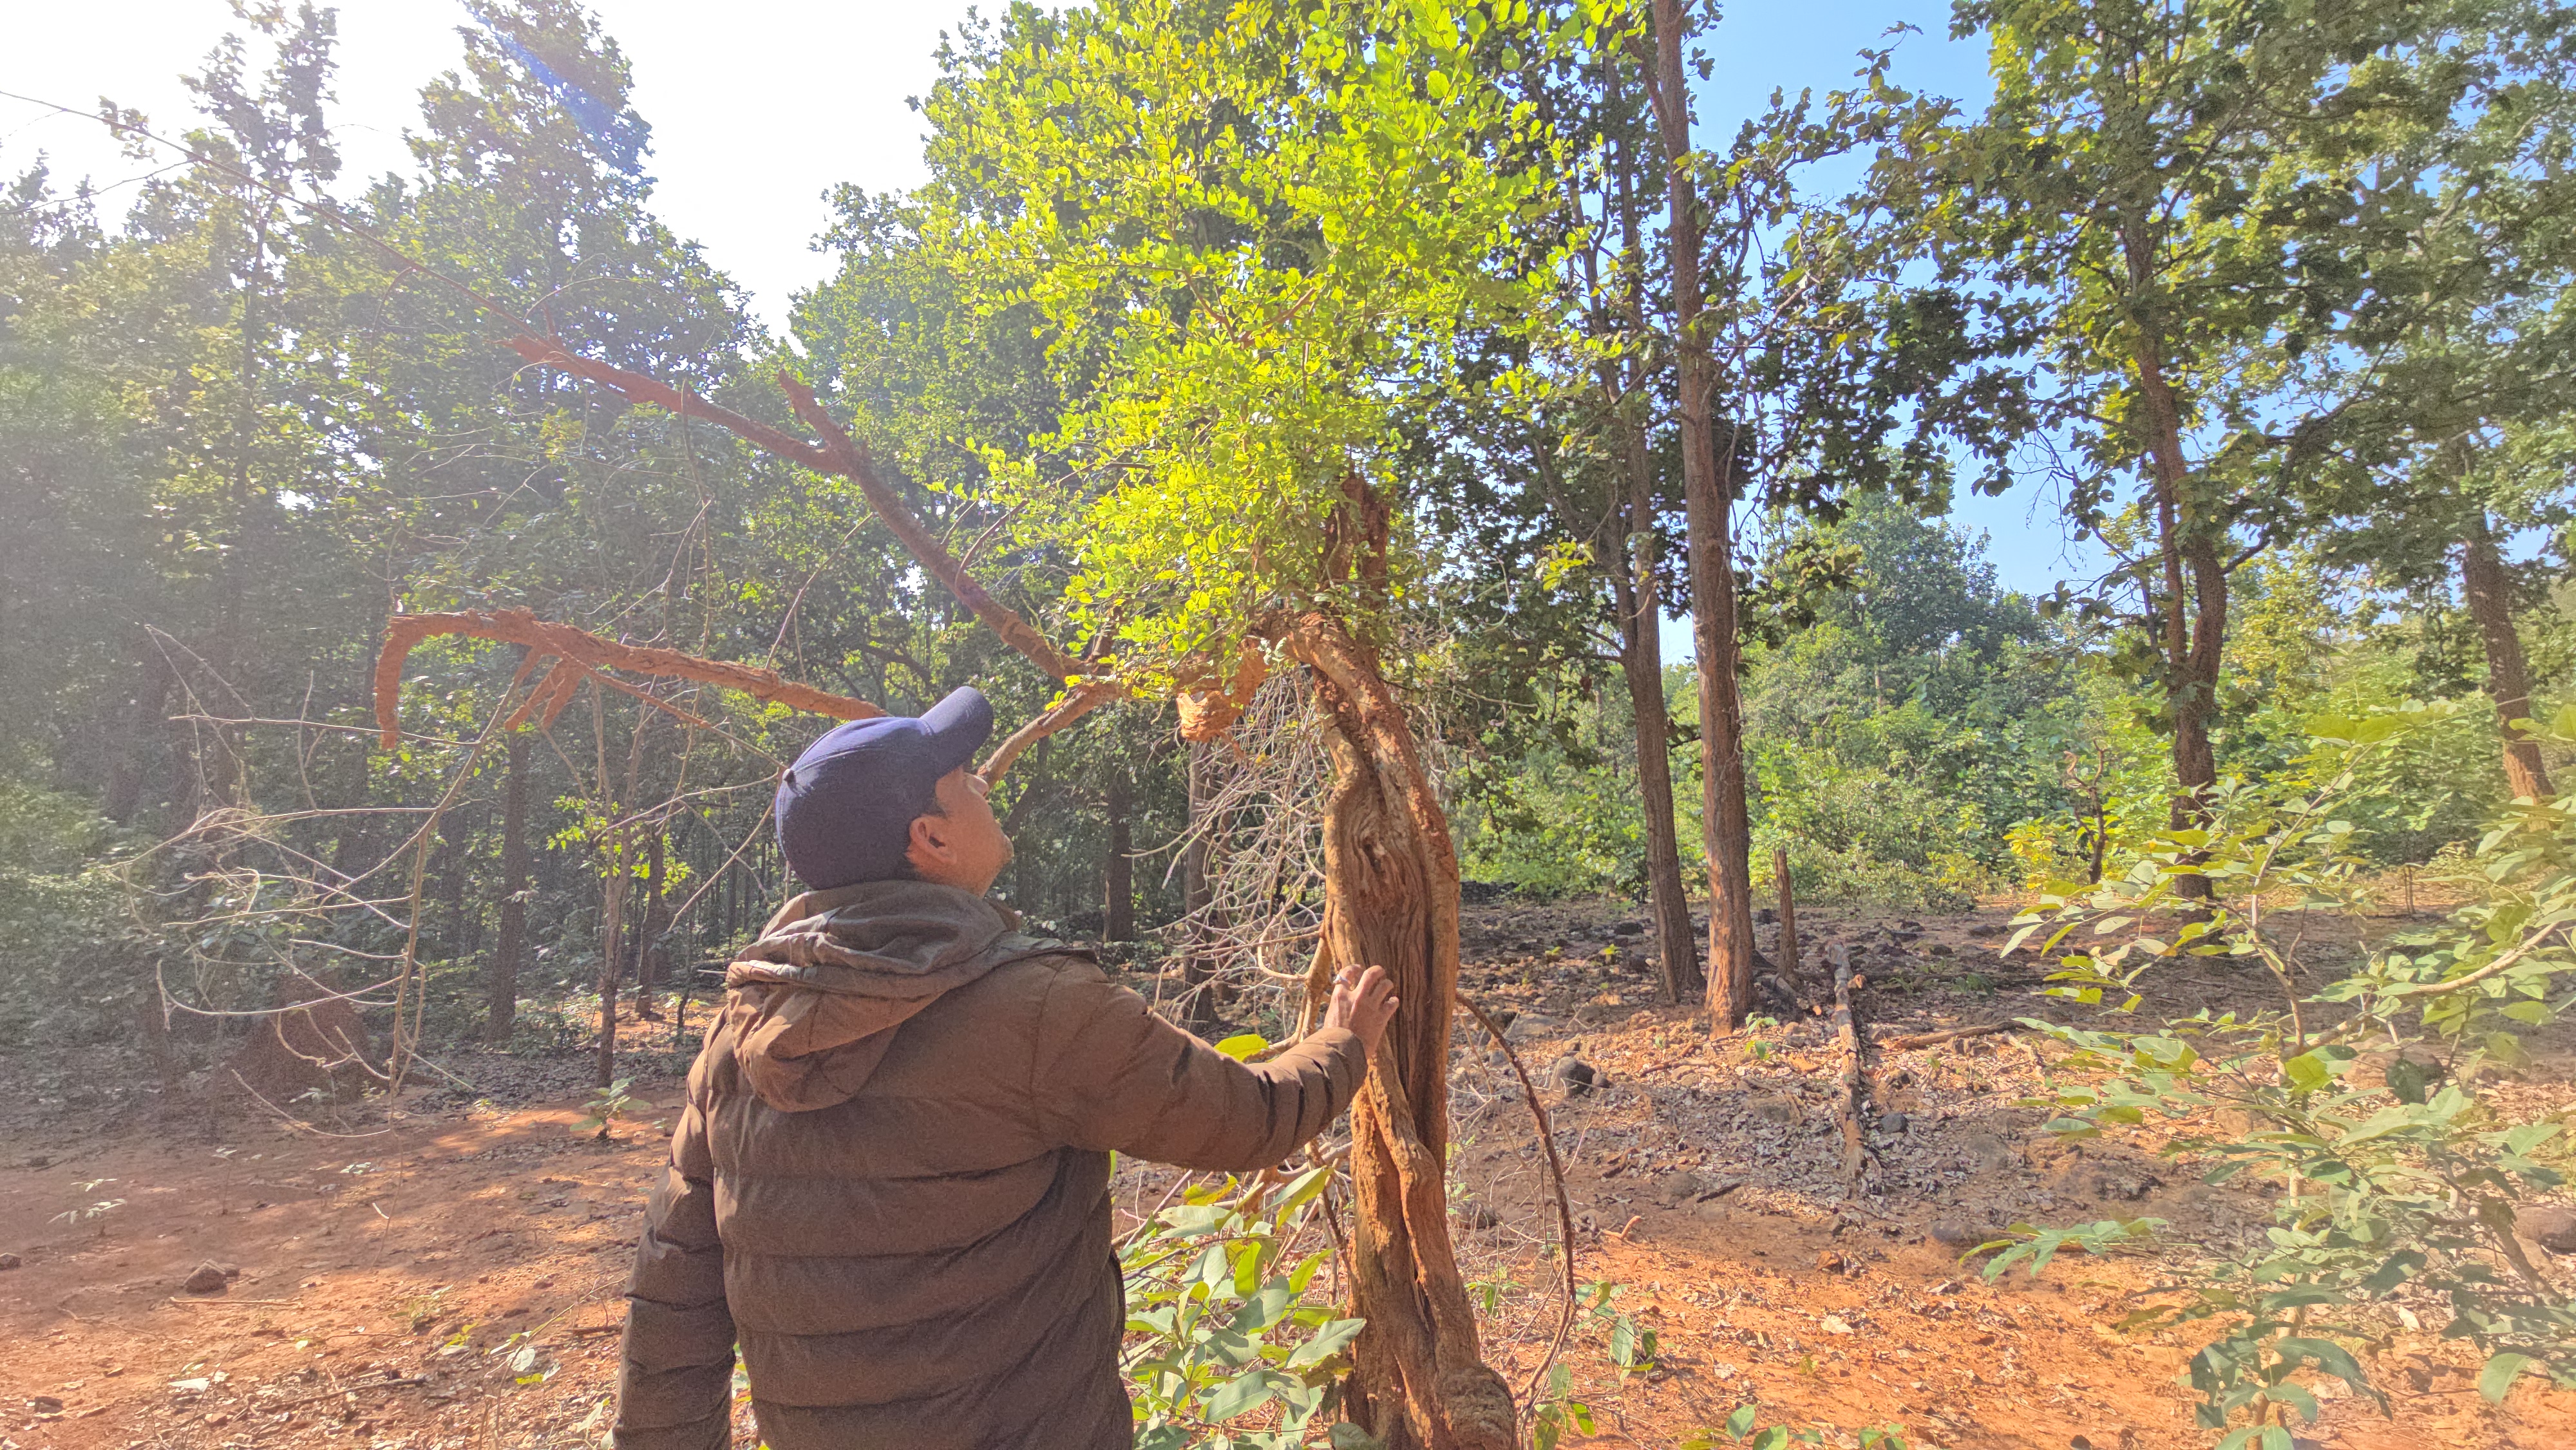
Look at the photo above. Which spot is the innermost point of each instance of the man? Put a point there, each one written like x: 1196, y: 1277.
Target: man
x: 891, y: 1183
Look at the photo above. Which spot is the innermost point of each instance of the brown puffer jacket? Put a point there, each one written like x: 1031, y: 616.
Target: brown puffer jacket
x: 891, y: 1183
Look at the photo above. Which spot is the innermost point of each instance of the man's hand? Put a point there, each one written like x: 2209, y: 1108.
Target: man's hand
x: 1363, y: 1002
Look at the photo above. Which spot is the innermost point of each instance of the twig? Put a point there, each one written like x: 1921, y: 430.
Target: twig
x: 2436, y: 989
x: 1954, y: 1034
x: 1564, y: 1208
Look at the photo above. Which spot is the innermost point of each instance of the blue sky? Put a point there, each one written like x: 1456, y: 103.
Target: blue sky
x: 759, y: 106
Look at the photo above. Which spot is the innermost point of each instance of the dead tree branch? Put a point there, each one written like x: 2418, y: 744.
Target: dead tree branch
x: 1564, y: 1207
x: 578, y: 655
x: 837, y: 454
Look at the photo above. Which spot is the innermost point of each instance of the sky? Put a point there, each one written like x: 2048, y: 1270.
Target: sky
x: 759, y: 107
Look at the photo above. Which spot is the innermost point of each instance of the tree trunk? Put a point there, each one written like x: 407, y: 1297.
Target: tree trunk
x: 1118, y: 870
x: 648, y: 944
x: 1391, y: 900
x: 501, y: 992
x: 1198, y: 966
x: 143, y: 715
x: 612, y: 950
x: 1705, y: 495
x: 1639, y: 600
x: 2490, y: 592
x: 2194, y: 632
x: 455, y: 831
x: 1641, y: 659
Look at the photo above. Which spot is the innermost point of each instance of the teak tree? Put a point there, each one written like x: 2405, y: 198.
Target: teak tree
x: 2199, y: 219
x: 1250, y: 231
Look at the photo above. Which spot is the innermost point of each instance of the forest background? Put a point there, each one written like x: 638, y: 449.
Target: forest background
x: 240, y: 437
x: 1434, y: 324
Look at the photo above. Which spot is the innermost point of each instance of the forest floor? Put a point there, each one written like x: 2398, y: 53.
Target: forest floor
x: 444, y: 1271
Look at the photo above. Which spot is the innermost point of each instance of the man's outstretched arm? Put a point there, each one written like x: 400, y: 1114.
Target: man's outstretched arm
x: 675, y: 1388
x: 1112, y: 1075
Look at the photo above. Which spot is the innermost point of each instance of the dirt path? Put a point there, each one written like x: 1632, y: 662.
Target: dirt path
x: 448, y: 1276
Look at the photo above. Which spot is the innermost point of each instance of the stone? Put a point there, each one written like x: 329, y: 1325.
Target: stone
x: 1776, y: 1108
x: 1988, y: 1151
x: 1957, y: 1235
x: 11, y: 1261
x: 1678, y: 1186
x: 207, y: 1279
x: 1574, y: 1076
x: 2550, y: 1225
x: 1894, y: 1124
x: 44, y: 1405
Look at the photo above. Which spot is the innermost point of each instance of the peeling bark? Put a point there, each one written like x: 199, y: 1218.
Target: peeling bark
x: 1391, y: 900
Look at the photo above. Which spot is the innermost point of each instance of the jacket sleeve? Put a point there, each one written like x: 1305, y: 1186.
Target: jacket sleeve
x: 675, y: 1387
x: 1109, y: 1074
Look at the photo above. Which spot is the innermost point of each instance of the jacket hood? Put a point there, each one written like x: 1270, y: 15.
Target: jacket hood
x: 814, y: 1003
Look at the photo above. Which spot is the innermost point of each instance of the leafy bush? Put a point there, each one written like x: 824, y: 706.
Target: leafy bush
x: 63, y: 927
x: 1219, y: 1328
x: 2399, y: 1192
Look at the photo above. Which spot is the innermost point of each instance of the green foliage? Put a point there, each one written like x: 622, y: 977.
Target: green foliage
x: 606, y: 1106
x: 1745, y: 1428
x: 2397, y: 1196
x: 1252, y: 233
x: 1219, y: 1325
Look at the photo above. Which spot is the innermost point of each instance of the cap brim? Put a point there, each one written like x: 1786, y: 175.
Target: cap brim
x: 957, y: 727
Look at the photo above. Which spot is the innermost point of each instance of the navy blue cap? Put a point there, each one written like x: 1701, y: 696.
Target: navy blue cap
x: 846, y: 807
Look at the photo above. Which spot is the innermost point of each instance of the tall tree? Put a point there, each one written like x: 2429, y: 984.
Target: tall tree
x: 1710, y: 506
x: 2172, y: 197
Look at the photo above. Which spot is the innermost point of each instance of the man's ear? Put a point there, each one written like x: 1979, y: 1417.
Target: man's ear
x: 929, y: 838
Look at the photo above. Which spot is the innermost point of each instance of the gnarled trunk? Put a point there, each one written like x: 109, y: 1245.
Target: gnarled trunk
x: 1391, y: 900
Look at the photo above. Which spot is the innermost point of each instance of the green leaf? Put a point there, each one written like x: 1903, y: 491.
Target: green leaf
x: 1347, y: 1436
x: 2500, y: 1373
x: 1328, y: 1341
x: 1240, y: 1396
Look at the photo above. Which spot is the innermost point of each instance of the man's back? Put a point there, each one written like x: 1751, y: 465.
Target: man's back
x: 908, y: 1229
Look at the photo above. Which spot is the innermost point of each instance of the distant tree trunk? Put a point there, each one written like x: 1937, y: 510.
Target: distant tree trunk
x: 1118, y: 906
x: 1391, y: 900
x: 1637, y: 596
x: 1641, y: 659
x: 454, y: 832
x: 1025, y: 880
x: 187, y: 774
x: 1706, y: 500
x: 142, y: 715
x: 2490, y: 592
x: 501, y: 991
x: 648, y: 945
x: 1198, y: 967
x: 2194, y: 605
x: 612, y: 953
